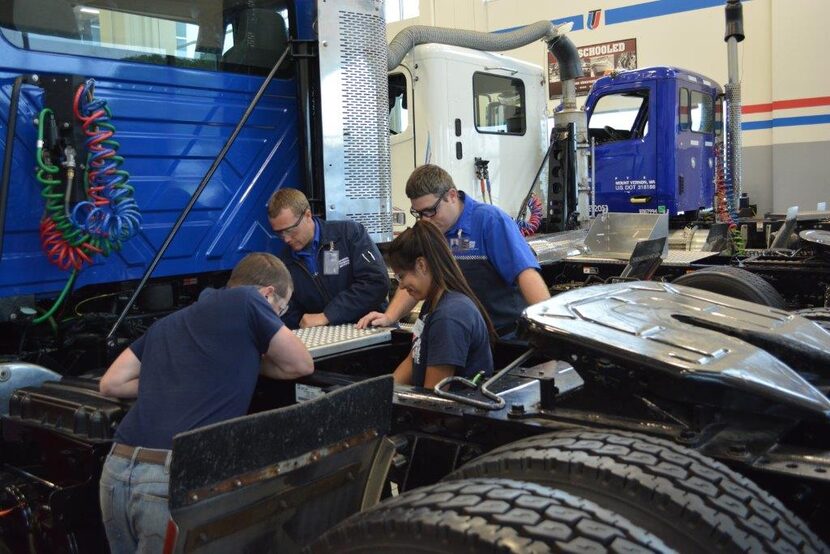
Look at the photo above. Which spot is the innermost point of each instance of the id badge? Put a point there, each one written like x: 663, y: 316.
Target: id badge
x: 417, y: 330
x: 459, y: 243
x: 331, y: 262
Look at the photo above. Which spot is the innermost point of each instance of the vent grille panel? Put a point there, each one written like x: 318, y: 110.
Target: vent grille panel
x: 355, y: 99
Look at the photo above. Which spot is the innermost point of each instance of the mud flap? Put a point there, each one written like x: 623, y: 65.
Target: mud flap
x: 274, y: 481
x: 645, y: 259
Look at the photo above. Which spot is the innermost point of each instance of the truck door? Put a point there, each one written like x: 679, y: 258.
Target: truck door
x: 625, y: 157
x: 402, y: 144
x: 177, y: 78
x: 695, y: 143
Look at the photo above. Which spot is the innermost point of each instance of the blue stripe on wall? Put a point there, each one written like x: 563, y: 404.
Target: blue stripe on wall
x: 636, y: 12
x: 756, y: 125
x: 657, y: 9
x: 786, y: 122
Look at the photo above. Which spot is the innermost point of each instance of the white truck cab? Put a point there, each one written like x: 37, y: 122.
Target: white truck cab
x: 451, y: 105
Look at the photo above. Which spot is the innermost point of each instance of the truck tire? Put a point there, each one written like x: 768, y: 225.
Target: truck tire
x: 690, y: 501
x: 735, y: 283
x: 486, y: 515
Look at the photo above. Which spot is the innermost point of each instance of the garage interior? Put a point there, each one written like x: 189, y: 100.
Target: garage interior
x: 663, y: 164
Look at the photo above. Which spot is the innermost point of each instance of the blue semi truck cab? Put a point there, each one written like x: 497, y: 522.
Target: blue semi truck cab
x: 654, y: 131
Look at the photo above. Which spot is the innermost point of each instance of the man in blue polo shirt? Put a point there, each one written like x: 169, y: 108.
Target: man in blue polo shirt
x: 337, y: 270
x: 496, y: 261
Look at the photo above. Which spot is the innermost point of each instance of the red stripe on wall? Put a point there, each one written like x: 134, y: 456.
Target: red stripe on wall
x: 757, y: 108
x: 787, y: 104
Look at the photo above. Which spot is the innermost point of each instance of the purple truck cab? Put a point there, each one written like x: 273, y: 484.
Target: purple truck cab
x: 654, y: 131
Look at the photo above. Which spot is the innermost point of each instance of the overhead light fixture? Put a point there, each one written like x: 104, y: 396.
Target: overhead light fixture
x: 92, y: 11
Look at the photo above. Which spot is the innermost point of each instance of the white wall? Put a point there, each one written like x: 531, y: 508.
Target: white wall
x: 785, y: 77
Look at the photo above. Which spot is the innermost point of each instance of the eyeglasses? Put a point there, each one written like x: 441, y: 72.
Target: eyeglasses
x: 427, y: 212
x: 279, y: 309
x: 291, y: 229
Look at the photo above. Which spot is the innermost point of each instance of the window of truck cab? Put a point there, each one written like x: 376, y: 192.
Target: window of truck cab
x: 398, y: 104
x: 619, y: 116
x: 239, y: 36
x: 696, y: 111
x: 499, y: 104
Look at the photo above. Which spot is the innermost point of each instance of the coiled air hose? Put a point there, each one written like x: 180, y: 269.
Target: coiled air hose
x: 109, y: 215
x: 724, y: 209
x: 111, y: 211
x: 530, y: 225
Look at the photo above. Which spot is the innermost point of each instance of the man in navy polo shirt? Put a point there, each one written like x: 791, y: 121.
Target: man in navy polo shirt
x: 337, y: 270
x: 195, y: 367
x: 496, y: 261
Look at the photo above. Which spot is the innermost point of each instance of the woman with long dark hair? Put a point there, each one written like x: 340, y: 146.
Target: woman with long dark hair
x: 452, y: 335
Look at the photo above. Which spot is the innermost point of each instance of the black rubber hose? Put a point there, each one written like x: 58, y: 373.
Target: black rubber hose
x: 11, y: 129
x: 734, y: 20
x: 565, y: 52
x: 196, y: 193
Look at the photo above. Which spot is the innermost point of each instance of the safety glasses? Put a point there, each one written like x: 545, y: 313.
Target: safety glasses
x: 427, y: 212
x: 291, y: 229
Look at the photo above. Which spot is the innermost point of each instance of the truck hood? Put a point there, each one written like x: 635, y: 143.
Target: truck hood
x: 692, y: 334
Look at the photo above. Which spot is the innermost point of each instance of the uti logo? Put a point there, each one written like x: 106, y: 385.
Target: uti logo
x: 594, y: 17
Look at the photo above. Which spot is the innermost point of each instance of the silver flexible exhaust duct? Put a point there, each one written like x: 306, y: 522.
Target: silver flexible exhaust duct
x: 559, y: 45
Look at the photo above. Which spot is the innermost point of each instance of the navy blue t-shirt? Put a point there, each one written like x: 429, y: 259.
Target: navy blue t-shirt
x: 199, y: 365
x: 454, y: 333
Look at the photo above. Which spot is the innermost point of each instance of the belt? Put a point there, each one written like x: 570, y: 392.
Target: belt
x: 145, y: 455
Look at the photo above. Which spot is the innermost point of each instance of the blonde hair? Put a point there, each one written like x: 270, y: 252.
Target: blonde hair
x: 289, y: 198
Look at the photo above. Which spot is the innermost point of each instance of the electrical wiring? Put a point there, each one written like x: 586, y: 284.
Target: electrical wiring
x: 92, y: 299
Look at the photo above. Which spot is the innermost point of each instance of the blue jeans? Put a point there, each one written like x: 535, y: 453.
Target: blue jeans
x: 134, y: 504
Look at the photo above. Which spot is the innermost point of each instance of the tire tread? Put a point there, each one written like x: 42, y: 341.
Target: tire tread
x: 684, y: 485
x: 561, y: 522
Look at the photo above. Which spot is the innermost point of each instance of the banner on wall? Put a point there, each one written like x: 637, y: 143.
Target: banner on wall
x: 598, y: 60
